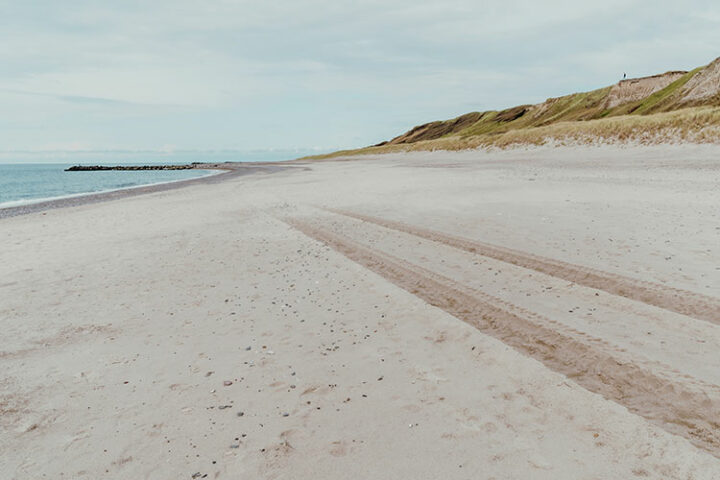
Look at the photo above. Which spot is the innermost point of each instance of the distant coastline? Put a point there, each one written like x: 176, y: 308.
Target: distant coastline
x: 227, y: 170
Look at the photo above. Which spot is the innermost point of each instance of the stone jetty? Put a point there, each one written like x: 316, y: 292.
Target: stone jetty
x: 93, y: 168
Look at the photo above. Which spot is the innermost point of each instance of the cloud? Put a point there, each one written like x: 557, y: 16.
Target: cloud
x: 243, y: 74
x: 75, y: 99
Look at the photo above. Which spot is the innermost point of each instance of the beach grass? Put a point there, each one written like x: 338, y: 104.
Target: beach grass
x: 692, y: 125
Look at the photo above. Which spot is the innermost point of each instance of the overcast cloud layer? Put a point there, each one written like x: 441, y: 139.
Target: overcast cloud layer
x: 179, y: 74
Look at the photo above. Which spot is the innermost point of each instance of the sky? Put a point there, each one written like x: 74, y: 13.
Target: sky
x: 172, y: 75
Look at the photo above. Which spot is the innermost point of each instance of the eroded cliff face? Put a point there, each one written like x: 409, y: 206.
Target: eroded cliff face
x: 704, y: 84
x: 433, y: 130
x: 635, y: 96
x: 634, y: 89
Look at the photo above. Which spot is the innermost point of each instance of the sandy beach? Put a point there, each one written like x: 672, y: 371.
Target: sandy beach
x: 551, y: 313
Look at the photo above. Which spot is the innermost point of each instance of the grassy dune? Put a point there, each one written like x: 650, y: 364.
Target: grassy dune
x: 694, y: 124
x: 667, y: 108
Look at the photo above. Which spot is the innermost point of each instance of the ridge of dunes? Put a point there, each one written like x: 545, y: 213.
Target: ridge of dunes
x: 676, y: 106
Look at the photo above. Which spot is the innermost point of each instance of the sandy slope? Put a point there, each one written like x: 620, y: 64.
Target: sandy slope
x: 543, y: 314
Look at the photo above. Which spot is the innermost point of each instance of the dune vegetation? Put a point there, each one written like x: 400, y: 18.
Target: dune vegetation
x: 672, y: 107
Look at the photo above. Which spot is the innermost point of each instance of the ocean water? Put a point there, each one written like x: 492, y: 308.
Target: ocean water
x: 27, y: 177
x: 25, y: 183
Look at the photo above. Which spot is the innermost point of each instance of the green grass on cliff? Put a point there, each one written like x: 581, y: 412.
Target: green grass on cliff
x: 664, y: 97
x: 693, y: 124
x: 664, y: 116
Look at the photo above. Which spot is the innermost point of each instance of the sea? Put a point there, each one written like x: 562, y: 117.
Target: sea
x: 31, y: 177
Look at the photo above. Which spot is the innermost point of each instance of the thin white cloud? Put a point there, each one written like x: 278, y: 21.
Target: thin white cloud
x: 248, y: 74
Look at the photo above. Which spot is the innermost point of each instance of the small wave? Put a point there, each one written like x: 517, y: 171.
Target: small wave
x: 126, y: 186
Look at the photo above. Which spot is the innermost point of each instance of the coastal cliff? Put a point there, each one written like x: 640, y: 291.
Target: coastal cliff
x: 675, y: 106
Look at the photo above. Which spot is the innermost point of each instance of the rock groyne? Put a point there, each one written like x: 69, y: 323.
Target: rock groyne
x: 94, y: 168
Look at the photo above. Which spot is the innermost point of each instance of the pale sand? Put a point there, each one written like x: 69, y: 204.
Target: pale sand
x: 544, y: 314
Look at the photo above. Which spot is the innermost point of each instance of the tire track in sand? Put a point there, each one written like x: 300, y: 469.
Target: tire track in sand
x: 696, y: 305
x: 666, y: 402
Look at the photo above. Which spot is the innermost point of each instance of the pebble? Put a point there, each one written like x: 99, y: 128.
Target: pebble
x: 286, y: 414
x: 227, y: 383
x: 240, y: 414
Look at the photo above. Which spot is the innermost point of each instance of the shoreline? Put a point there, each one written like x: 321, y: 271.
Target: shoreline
x: 32, y: 201
x: 227, y: 170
